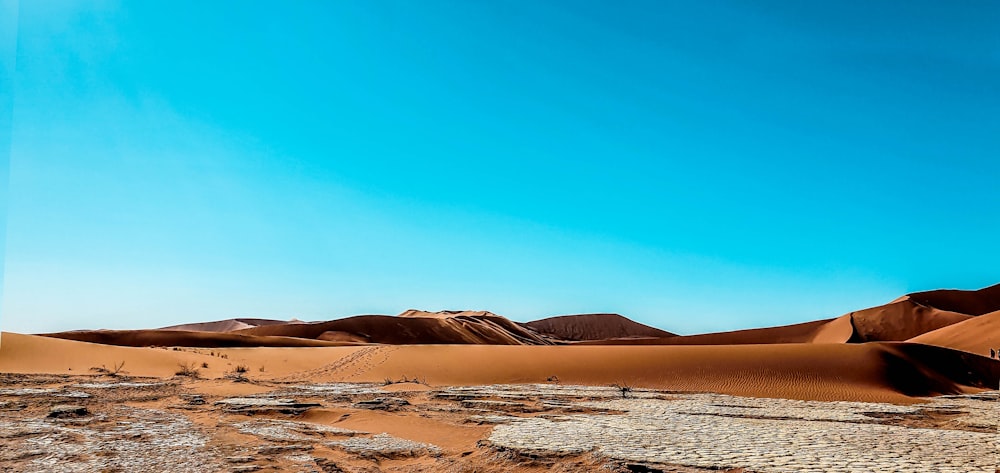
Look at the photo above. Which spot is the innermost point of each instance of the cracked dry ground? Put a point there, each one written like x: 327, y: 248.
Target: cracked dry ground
x: 117, y: 424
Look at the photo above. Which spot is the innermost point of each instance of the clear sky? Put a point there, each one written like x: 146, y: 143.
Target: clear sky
x: 698, y: 166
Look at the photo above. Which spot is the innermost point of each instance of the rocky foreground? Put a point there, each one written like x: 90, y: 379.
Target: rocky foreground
x: 119, y: 424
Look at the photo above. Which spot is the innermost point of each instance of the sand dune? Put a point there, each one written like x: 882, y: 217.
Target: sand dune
x: 185, y: 338
x: 921, y: 344
x: 797, y: 333
x: 900, y: 320
x: 593, y: 327
x: 871, y: 372
x: 446, y: 314
x: 976, y: 302
x: 227, y: 325
x: 454, y: 329
x: 976, y: 335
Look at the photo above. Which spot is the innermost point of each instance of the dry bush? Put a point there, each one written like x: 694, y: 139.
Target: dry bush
x: 115, y: 370
x: 188, y: 369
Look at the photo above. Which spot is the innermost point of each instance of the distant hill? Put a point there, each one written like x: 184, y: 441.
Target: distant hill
x: 593, y: 327
x: 227, y: 325
x: 410, y: 329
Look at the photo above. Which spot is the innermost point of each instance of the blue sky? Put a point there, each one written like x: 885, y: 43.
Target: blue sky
x: 697, y: 166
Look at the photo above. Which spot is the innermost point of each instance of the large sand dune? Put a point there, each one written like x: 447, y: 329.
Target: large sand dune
x: 978, y: 302
x: 899, y: 320
x: 186, y: 338
x: 871, y: 372
x: 918, y: 345
x: 456, y: 329
x: 227, y: 325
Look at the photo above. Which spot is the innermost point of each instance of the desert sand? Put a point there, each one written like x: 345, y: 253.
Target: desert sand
x: 399, y: 375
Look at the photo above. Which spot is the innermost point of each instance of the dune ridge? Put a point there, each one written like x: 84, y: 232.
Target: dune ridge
x: 412, y: 330
x: 185, y: 338
x: 593, y: 327
x: 227, y: 325
x: 977, y: 302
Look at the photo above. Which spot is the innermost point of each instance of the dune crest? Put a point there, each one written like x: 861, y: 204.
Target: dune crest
x: 977, y: 302
x: 446, y: 314
x: 227, y: 325
x: 898, y: 321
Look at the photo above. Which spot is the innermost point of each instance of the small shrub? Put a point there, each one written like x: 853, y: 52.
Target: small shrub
x: 625, y: 389
x: 238, y: 375
x: 188, y: 369
x: 115, y: 369
x: 404, y: 379
x: 204, y: 364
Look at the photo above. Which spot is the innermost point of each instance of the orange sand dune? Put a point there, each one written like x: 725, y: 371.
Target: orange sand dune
x: 457, y: 329
x: 892, y: 372
x: 446, y: 314
x: 184, y: 338
x: 820, y: 331
x: 976, y: 335
x: 227, y: 325
x: 593, y: 327
x: 977, y: 302
x: 900, y: 320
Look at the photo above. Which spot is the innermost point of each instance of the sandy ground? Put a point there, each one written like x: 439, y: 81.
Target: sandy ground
x: 63, y: 423
x: 859, y: 372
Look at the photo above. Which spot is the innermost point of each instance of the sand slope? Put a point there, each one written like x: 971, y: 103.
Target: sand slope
x: 976, y: 335
x: 900, y: 320
x: 227, y: 325
x: 184, y: 338
x: 871, y: 372
x: 593, y: 327
x: 976, y: 302
x: 825, y: 330
x: 456, y: 329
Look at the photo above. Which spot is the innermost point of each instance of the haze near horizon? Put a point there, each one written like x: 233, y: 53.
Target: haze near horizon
x: 696, y: 167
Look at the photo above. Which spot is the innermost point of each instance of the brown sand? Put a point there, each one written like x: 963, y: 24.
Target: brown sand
x: 976, y: 302
x: 976, y: 335
x: 227, y: 325
x: 412, y: 330
x: 594, y: 327
x: 900, y: 320
x: 871, y: 372
x: 186, y: 338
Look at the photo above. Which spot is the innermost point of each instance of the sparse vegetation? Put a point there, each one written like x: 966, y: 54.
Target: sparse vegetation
x: 404, y: 379
x: 115, y: 369
x: 625, y: 389
x: 204, y: 364
x: 238, y: 375
x: 188, y: 369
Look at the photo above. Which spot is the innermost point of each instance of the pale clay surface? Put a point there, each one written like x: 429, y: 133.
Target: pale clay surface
x: 708, y: 431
